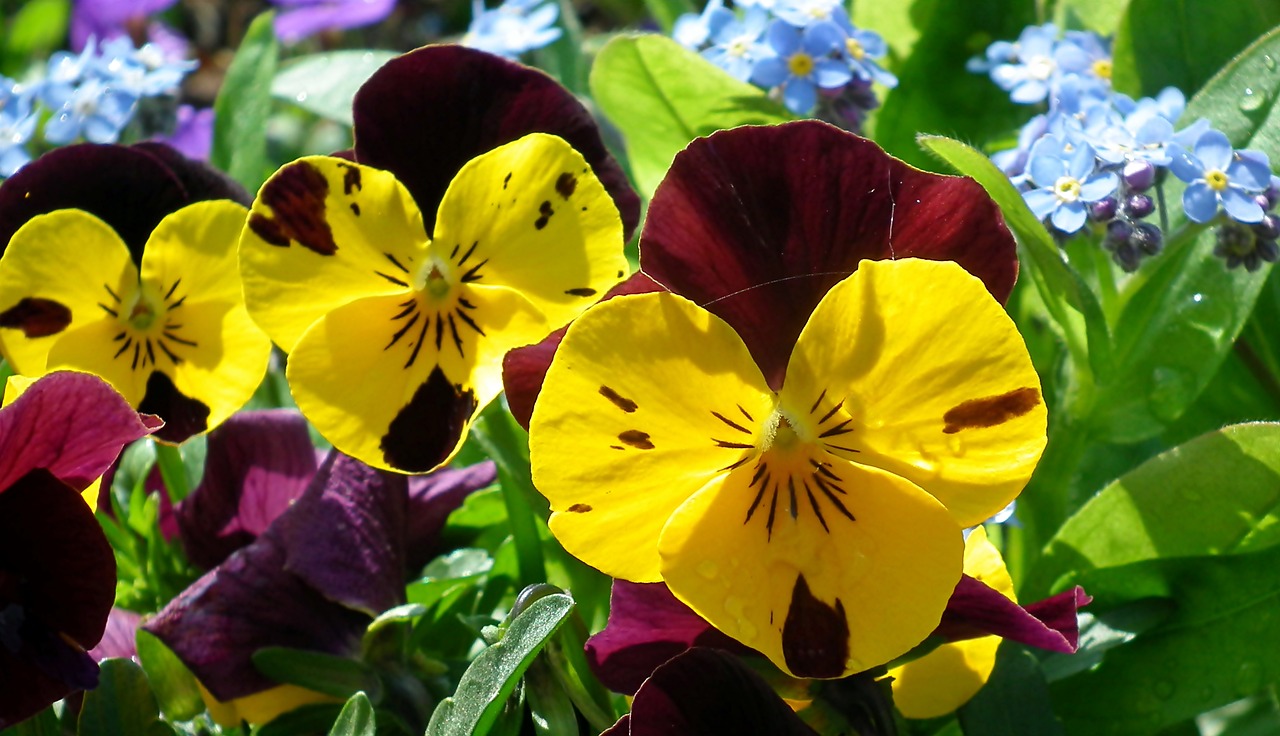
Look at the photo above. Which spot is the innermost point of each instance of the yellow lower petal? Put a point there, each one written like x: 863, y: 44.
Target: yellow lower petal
x: 945, y: 679
x: 261, y: 707
x: 94, y: 348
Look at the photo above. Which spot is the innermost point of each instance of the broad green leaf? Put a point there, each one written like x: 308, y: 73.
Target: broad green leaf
x: 549, y: 706
x: 1014, y: 702
x: 307, y: 720
x: 1104, y: 632
x: 122, y: 703
x: 243, y: 105
x: 1182, y: 43
x: 175, y: 687
x: 44, y: 723
x: 356, y: 718
x: 935, y: 93
x: 324, y: 673
x: 662, y: 96
x: 38, y: 27
x: 1221, y: 643
x: 1099, y: 16
x: 898, y: 22
x: 494, y: 674
x: 1216, y: 495
x: 325, y: 84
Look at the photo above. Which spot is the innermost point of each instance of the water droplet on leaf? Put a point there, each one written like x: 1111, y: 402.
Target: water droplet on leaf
x: 1172, y: 389
x: 1252, y: 101
x: 1269, y: 62
x: 1248, y: 679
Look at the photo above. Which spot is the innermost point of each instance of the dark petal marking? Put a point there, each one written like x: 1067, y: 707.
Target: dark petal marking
x: 818, y: 402
x: 137, y: 350
x: 990, y: 411
x: 755, y: 502
x: 37, y: 317
x: 827, y: 489
x: 466, y: 255
x: 392, y: 279
x: 583, y: 291
x: 454, y: 252
x: 579, y: 508
x: 172, y: 289
x: 350, y: 178
x: 108, y: 310
x: 735, y: 464
x: 773, y: 510
x: 176, y: 360
x: 176, y: 304
x: 465, y: 304
x: 544, y: 214
x: 731, y: 445
x: 296, y: 197
x: 617, y: 447
x: 179, y: 340
x: 474, y: 274
x: 730, y: 422
x: 637, y: 439
x: 745, y: 414
x: 815, y: 635
x: 822, y: 468
x: 457, y: 339
x: 355, y: 209
x: 417, y: 346
x: 506, y: 180
x: 112, y: 293
x: 183, y: 415
x: 395, y: 262
x: 839, y: 429
x: 469, y: 322
x: 813, y: 502
x: 565, y: 184
x: 427, y: 429
x: 407, y: 326
x: 439, y: 331
x: 151, y: 354
x: 409, y: 309
x: 119, y: 337
x: 839, y: 447
x: 128, y: 342
x: 831, y: 413
x: 761, y: 471
x: 618, y: 400
x: 791, y: 489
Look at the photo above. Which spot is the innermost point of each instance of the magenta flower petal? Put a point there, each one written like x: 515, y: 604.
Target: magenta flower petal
x: 758, y: 237
x: 425, y: 114
x: 57, y: 584
x: 72, y: 424
x: 432, y: 498
x: 524, y: 368
x: 302, y: 19
x: 647, y: 626
x: 705, y: 692
x: 257, y: 464
x: 120, y: 640
x: 976, y: 609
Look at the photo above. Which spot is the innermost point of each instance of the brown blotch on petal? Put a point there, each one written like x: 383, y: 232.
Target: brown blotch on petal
x: 582, y: 291
x: 637, y: 439
x: 350, y: 178
x: 579, y: 508
x: 545, y: 212
x: 991, y: 410
x: 296, y: 197
x: 618, y: 399
x: 424, y: 433
x: 566, y: 184
x: 183, y: 416
x: 815, y: 636
x: 37, y: 317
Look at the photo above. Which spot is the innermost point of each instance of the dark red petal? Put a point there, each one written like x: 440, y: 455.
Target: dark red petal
x: 73, y: 424
x: 976, y: 609
x: 706, y: 692
x: 121, y: 637
x: 27, y: 691
x: 423, y: 115
x: 524, y: 368
x: 757, y: 223
x: 647, y: 626
x: 432, y: 498
x: 201, y: 180
x: 257, y: 464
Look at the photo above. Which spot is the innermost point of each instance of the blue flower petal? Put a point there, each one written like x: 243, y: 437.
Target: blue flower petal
x: 1250, y: 171
x: 784, y: 38
x: 831, y: 74
x: 1045, y: 170
x: 800, y: 95
x: 1183, y: 165
x: 1200, y: 202
x: 1029, y: 91
x: 822, y: 38
x: 1083, y: 159
x: 1069, y: 217
x: 1241, y: 207
x: 1214, y: 150
x: 1041, y: 202
x: 770, y: 72
x: 1098, y: 186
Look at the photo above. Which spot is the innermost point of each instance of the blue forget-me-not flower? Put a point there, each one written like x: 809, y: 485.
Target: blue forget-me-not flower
x: 1217, y: 175
x: 802, y: 63
x: 1066, y: 180
x: 512, y: 28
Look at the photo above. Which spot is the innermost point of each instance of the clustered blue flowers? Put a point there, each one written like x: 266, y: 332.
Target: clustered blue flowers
x: 88, y: 96
x: 1097, y: 155
x: 513, y: 28
x: 807, y: 50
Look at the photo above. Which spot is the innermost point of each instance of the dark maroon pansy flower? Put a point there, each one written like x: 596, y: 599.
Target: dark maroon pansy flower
x: 758, y: 238
x: 425, y: 114
x: 57, y: 571
x: 120, y: 640
x: 131, y: 188
x: 705, y: 692
x: 976, y: 609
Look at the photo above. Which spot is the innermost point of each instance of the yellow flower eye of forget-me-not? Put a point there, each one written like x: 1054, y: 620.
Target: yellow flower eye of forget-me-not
x: 819, y: 524
x: 395, y: 339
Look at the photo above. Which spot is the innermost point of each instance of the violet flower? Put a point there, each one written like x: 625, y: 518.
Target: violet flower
x: 299, y: 19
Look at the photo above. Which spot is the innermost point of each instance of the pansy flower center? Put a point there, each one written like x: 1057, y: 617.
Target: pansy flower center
x: 800, y: 64
x: 151, y: 323
x: 1217, y: 180
x: 1067, y: 188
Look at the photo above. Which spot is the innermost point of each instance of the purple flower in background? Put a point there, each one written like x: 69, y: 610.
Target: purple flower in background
x: 1218, y: 175
x: 192, y: 135
x: 105, y: 19
x: 299, y: 19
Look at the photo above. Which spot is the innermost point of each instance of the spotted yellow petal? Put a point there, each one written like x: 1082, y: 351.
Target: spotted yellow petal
x: 61, y: 272
x: 920, y: 372
x: 826, y: 567
x: 531, y: 215
x: 648, y: 399
x: 324, y: 232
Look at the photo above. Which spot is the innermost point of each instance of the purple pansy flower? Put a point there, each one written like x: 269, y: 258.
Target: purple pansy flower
x: 192, y: 135
x: 1218, y: 176
x: 104, y: 19
x: 299, y: 19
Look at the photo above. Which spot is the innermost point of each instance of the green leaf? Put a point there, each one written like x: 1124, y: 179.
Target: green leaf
x: 898, y: 23
x: 494, y: 674
x: 356, y: 718
x: 1182, y: 43
x: 1176, y: 505
x: 175, y: 687
x: 1014, y: 702
x: 38, y: 27
x: 1220, y: 643
x: 324, y: 673
x: 243, y: 106
x: 122, y: 703
x: 45, y: 723
x: 325, y: 84
x: 550, y: 707
x: 662, y: 96
x: 1099, y: 16
x: 307, y: 720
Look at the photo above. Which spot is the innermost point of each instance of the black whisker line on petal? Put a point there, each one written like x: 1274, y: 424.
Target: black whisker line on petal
x: 137, y: 352
x: 439, y: 331
x: 744, y: 413
x: 822, y: 468
x: 124, y: 347
x: 818, y: 403
x: 469, y: 322
x: 813, y: 502
x: 405, y: 312
x: 730, y: 422
x: 172, y: 289
x: 457, y: 339
x: 165, y: 348
x: 827, y: 485
x: 734, y: 466
x: 112, y: 293
x: 151, y: 354
x: 119, y: 337
x: 755, y: 504
x: 773, y: 509
x: 396, y: 263
x: 176, y: 304
x: 791, y: 488
x: 392, y: 279
x: 108, y: 310
x: 838, y: 429
x: 474, y: 273
x: 465, y: 304
x: 835, y: 501
x: 467, y: 255
x: 400, y: 332
x: 731, y: 445
x: 179, y: 340
x: 831, y: 413
x: 417, y: 345
x: 838, y: 447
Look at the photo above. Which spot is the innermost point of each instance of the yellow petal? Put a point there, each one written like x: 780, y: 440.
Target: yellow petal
x: 945, y: 679
x: 61, y: 271
x: 109, y: 351
x: 647, y: 400
x: 261, y: 707
x: 925, y: 376
x: 531, y: 215
x: 983, y: 561
x: 827, y: 571
x: 324, y: 232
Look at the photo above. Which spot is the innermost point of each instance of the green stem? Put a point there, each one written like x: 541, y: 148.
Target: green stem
x: 173, y: 470
x: 507, y: 445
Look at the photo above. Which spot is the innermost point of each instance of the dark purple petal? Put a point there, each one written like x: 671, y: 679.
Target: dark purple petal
x: 348, y: 542
x: 976, y: 609
x: 705, y: 692
x: 73, y: 424
x: 647, y: 626
x: 432, y: 498
x: 425, y: 114
x: 120, y: 640
x: 200, y: 180
x: 524, y: 368
x: 184, y: 416
x: 757, y: 223
x: 257, y: 464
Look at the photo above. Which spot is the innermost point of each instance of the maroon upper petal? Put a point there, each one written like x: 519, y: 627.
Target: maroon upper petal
x: 757, y: 223
x: 73, y: 424
x: 425, y: 114
x: 129, y: 188
x: 523, y: 369
x: 976, y: 609
x: 257, y: 463
x: 647, y: 626
x: 432, y: 498
x: 706, y: 692
x: 120, y: 640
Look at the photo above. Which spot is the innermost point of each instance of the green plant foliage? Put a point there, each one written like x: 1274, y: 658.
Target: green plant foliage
x: 175, y: 687
x: 37, y: 28
x: 325, y: 84
x: 356, y: 719
x: 243, y: 105
x: 324, y: 673
x: 1014, y: 702
x: 122, y: 703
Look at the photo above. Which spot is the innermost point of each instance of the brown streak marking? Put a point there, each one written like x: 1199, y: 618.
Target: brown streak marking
x: 731, y: 445
x: 773, y: 508
x: 545, y: 212
x: 744, y: 413
x: 619, y: 400
x: 565, y: 184
x: 818, y: 403
x: 108, y: 310
x: 815, y: 635
x: 814, y: 503
x: 469, y: 322
x: 467, y: 255
x: 991, y: 410
x: 457, y: 339
x: 417, y: 346
x: 439, y: 331
x: 791, y: 488
x: 400, y: 333
x: 296, y: 196
x: 730, y: 422
x: 395, y: 262
x: 172, y: 289
x: 637, y: 439
x: 350, y: 178
x: 839, y: 429
x: 176, y: 360
x: 583, y: 292
x: 579, y: 508
x: 392, y: 279
x: 831, y: 413
x: 37, y: 317
x: 123, y: 348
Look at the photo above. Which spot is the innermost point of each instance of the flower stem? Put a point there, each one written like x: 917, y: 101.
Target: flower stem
x: 508, y: 445
x: 173, y: 470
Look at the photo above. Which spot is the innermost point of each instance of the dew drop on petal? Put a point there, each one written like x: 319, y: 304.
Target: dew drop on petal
x: 708, y: 569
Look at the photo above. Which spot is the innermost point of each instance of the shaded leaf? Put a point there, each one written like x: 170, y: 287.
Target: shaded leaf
x: 324, y: 673
x: 121, y: 704
x: 243, y: 105
x: 1015, y: 701
x: 326, y: 84
x: 175, y: 687
x: 356, y: 718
